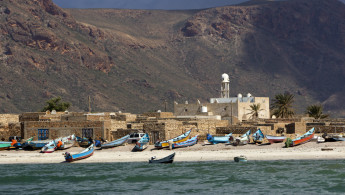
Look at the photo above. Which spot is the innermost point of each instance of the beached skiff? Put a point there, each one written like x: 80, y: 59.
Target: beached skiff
x: 142, y: 143
x: 275, y: 139
x: 189, y: 142
x: 84, y: 154
x: 115, y: 143
x: 167, y: 159
x: 301, y: 140
x: 180, y: 138
x: 219, y: 139
x: 258, y: 136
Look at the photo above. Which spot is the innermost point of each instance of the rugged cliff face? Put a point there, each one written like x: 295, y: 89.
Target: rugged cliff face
x: 133, y: 60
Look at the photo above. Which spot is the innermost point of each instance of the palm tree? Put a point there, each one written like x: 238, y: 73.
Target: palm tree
x: 316, y: 111
x: 282, y: 105
x: 55, y: 104
x: 255, y: 109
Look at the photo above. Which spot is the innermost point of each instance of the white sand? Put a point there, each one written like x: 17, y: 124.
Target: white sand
x: 198, y: 152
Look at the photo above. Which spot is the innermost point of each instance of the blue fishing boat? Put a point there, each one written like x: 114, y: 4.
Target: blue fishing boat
x: 84, y: 154
x: 219, y: 139
x: 189, y: 142
x: 180, y: 138
x: 36, y: 145
x: 258, y: 136
x: 240, y: 159
x: 115, y: 143
x: 142, y: 143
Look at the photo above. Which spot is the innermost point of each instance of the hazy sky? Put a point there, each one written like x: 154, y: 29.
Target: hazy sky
x: 145, y: 4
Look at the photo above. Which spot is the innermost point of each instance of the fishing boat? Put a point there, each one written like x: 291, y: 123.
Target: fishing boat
x: 84, y: 142
x: 180, y: 138
x: 258, y: 136
x: 49, y: 147
x: 66, y: 142
x: 35, y: 145
x: 219, y: 139
x: 275, y: 139
x: 240, y: 159
x: 115, y: 143
x: 9, y: 145
x: 84, y: 154
x: 243, y: 139
x: 300, y: 140
x: 142, y: 143
x: 189, y: 142
x: 167, y: 159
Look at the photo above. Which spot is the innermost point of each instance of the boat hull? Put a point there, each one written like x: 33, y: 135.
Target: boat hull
x: 115, y: 143
x: 275, y: 139
x: 192, y: 141
x: 180, y: 138
x: 82, y: 155
x: 219, y: 139
x: 142, y: 143
x: 168, y: 159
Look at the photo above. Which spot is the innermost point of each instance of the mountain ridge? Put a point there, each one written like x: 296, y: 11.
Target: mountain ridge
x: 135, y: 60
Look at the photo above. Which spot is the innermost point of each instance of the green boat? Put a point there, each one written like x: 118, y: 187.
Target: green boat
x: 5, y: 145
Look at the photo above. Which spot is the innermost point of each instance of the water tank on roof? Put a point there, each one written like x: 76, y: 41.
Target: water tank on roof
x: 203, y: 109
x: 225, y: 78
x: 249, y: 95
x: 239, y: 95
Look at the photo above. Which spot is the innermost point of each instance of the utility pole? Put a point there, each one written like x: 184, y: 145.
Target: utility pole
x: 89, y: 104
x: 165, y: 105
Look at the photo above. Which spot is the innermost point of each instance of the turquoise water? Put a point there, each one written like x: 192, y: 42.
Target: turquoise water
x: 253, y: 177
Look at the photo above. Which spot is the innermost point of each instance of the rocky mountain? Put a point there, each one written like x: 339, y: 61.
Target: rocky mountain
x: 135, y: 60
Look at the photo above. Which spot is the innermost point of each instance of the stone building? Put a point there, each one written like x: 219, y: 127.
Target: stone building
x: 234, y: 109
x: 53, y: 125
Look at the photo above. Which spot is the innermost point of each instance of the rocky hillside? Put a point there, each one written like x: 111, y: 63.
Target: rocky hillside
x: 133, y: 60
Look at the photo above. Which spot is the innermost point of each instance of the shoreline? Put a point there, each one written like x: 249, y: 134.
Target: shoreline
x: 196, y: 153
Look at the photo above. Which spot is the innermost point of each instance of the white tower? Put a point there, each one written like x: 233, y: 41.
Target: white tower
x: 225, y: 90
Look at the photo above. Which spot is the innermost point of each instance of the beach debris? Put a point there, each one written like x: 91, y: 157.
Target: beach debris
x: 326, y: 149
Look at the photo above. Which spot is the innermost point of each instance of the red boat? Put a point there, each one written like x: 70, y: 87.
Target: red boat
x: 275, y: 139
x: 302, y: 139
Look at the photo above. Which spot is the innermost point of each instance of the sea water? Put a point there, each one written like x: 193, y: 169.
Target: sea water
x: 252, y: 177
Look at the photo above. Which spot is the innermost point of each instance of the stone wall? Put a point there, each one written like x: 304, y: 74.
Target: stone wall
x: 60, y: 129
x: 9, y: 124
x: 30, y: 116
x: 159, y: 114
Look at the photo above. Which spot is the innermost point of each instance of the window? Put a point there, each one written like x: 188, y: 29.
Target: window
x: 186, y: 110
x: 43, y: 134
x: 87, y: 132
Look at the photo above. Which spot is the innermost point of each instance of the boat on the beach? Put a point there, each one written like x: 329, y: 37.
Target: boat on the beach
x: 167, y: 159
x: 243, y: 139
x: 81, y: 155
x: 49, y: 147
x: 219, y: 139
x: 9, y: 145
x: 84, y: 142
x: 302, y: 139
x: 240, y: 159
x: 66, y: 142
x: 35, y: 145
x: 275, y: 139
x: 115, y: 143
x: 258, y: 136
x: 142, y: 143
x: 59, y: 143
x: 180, y: 138
x: 190, y: 142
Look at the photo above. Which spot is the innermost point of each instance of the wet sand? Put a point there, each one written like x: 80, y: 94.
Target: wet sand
x: 198, y: 152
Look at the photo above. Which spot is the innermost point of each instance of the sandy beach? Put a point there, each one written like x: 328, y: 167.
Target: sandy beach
x: 198, y: 152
